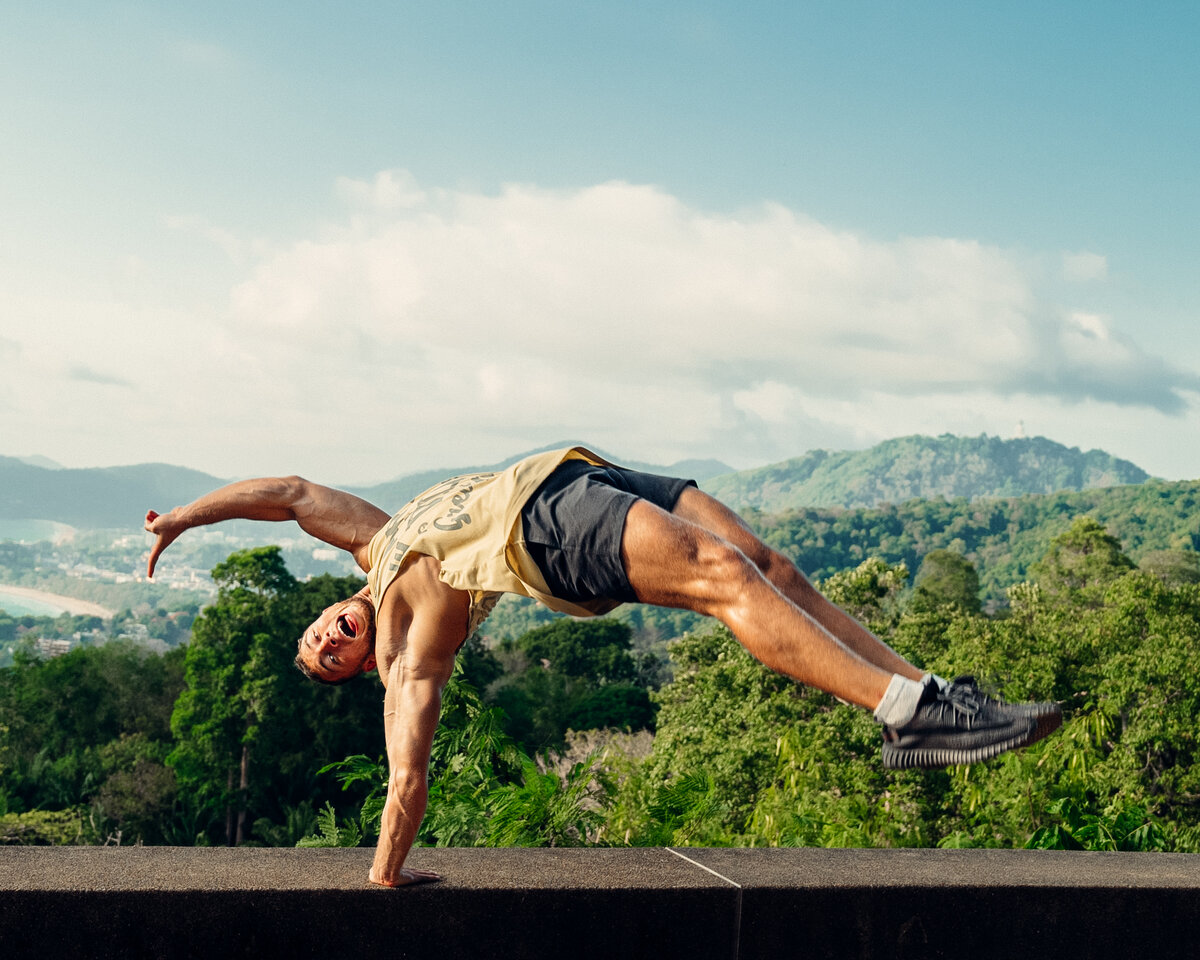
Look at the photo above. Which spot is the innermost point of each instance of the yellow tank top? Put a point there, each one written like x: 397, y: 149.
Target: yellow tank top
x: 472, y: 525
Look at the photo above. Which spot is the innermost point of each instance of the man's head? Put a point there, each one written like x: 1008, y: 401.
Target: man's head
x: 340, y: 643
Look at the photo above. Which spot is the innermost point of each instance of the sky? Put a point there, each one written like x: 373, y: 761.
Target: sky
x: 353, y: 241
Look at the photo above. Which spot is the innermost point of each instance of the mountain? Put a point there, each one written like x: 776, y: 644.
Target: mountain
x: 37, y: 460
x: 118, y: 497
x: 96, y: 497
x: 914, y: 467
x: 892, y: 472
x: 393, y: 494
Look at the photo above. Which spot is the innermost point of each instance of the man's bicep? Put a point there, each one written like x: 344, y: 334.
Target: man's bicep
x: 338, y: 518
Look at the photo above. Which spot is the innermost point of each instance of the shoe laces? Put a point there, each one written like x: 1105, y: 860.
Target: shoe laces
x: 959, y: 701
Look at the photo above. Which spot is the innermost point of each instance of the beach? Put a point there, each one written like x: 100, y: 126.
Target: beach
x: 69, y: 604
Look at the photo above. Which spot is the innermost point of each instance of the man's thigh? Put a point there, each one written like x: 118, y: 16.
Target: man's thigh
x: 574, y: 523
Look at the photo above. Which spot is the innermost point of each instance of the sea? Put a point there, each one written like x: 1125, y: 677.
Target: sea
x: 31, y: 531
x: 27, y: 607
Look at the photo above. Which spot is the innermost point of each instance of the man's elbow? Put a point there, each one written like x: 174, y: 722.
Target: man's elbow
x: 293, y: 492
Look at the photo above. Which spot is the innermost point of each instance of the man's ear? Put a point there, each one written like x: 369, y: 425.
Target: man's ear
x: 369, y: 664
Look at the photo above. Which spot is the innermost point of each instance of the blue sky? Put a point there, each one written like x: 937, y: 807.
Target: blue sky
x: 354, y: 241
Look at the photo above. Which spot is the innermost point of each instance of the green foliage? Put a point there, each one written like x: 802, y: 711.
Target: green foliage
x: 543, y: 809
x: 1075, y: 828
x: 41, y: 828
x: 1002, y: 538
x: 744, y: 757
x: 248, y: 725
x: 723, y: 714
x: 1081, y: 563
x: 1174, y: 567
x: 945, y: 579
x: 870, y: 592
x: 114, y: 744
x: 571, y: 674
x: 483, y: 790
x: 87, y: 731
x: 906, y: 468
x: 331, y: 832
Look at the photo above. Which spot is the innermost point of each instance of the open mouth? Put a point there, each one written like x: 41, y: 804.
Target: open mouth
x: 347, y: 627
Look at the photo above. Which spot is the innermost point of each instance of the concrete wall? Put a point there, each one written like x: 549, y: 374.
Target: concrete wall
x: 694, y: 903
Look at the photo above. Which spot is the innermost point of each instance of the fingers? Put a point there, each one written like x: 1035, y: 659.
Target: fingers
x: 407, y: 877
x: 421, y: 875
x: 151, y: 516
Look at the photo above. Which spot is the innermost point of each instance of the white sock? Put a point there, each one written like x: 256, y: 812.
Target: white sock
x: 899, y: 703
x: 942, y: 684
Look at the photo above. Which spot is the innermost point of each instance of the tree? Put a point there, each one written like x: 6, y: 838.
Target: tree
x: 1081, y: 563
x: 216, y: 716
x: 249, y: 728
x: 945, y: 579
x: 1173, y: 567
x: 571, y: 673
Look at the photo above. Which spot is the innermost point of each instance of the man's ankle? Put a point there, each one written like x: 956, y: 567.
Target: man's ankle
x: 900, y: 700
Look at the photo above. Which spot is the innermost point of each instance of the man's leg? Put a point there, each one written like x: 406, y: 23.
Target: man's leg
x: 674, y: 561
x: 714, y: 516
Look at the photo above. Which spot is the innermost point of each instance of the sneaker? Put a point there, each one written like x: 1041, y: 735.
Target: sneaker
x: 957, y: 725
x: 1047, y: 715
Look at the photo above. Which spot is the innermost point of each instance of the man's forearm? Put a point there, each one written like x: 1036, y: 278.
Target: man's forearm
x: 402, y: 814
x: 265, y: 498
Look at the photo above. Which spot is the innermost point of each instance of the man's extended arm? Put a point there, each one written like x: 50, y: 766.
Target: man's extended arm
x: 416, y: 664
x: 412, y: 707
x: 334, y: 516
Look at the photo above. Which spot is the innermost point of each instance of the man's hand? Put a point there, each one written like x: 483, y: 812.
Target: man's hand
x: 405, y: 877
x: 165, y: 528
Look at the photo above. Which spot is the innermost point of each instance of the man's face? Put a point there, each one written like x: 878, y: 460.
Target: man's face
x: 340, y: 643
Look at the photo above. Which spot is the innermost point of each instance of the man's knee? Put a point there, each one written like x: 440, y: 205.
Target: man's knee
x: 724, y: 569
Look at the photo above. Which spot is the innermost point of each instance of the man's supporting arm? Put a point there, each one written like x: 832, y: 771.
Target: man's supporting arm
x: 412, y: 707
x: 334, y: 516
x: 416, y: 659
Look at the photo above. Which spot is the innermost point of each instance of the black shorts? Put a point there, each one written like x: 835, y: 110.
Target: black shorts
x: 574, y: 521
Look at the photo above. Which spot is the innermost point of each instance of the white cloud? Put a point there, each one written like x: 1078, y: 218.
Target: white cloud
x: 390, y: 190
x: 233, y: 246
x: 628, y: 285
x: 435, y: 328
x: 1084, y: 266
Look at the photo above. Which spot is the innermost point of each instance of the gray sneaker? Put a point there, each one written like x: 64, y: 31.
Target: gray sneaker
x: 957, y: 725
x: 1047, y: 715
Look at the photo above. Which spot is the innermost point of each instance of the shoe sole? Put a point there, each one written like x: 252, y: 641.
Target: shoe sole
x: 934, y: 758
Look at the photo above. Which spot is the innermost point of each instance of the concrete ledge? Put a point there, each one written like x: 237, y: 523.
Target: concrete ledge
x: 694, y: 903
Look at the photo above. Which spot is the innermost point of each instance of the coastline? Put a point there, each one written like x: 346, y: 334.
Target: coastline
x: 73, y: 605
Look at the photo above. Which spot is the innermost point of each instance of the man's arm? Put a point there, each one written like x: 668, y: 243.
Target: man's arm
x: 414, y: 679
x: 412, y: 707
x: 334, y: 516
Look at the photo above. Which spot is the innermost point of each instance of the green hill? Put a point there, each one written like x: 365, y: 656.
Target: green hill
x: 922, y: 467
x: 1002, y: 537
x: 95, y: 497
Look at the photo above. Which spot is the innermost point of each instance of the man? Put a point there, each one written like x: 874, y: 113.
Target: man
x: 582, y: 536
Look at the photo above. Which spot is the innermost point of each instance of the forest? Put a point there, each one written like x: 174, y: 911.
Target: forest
x: 601, y: 732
